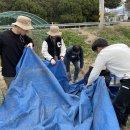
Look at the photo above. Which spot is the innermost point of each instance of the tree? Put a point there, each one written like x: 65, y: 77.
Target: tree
x: 52, y: 8
x: 70, y: 11
x: 112, y: 3
x: 59, y: 11
x: 90, y: 10
x: 29, y: 6
x: 127, y: 5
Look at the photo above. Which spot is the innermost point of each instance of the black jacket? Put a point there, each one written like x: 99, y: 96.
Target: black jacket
x: 11, y: 50
x: 54, y: 49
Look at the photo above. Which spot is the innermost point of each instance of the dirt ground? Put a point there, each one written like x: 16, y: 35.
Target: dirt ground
x: 3, y: 88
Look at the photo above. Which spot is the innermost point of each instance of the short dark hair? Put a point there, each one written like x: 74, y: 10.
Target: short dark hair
x: 76, y: 48
x: 99, y: 43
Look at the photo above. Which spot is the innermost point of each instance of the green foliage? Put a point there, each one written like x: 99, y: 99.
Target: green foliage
x: 70, y: 11
x: 116, y: 35
x: 127, y: 5
x: 6, y: 21
x: 29, y: 6
x: 38, y: 37
x: 59, y: 11
x: 73, y: 18
x: 90, y: 10
x: 112, y: 3
x: 111, y: 14
x: 72, y: 38
x: 52, y: 9
x: 2, y: 6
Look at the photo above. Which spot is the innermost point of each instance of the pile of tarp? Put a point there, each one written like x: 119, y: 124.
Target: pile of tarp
x: 40, y: 98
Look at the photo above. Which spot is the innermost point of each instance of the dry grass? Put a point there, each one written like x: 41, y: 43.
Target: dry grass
x: 3, y: 88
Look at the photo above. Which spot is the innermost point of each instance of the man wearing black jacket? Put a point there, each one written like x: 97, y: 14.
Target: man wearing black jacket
x: 75, y: 55
x: 12, y: 44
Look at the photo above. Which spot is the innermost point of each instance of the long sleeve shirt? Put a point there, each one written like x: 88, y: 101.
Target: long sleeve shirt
x: 46, y: 48
x: 116, y: 58
x: 11, y: 50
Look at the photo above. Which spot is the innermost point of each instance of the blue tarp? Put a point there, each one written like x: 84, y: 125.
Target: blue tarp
x: 40, y: 98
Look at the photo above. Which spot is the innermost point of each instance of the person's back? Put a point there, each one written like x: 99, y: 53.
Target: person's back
x: 117, y: 57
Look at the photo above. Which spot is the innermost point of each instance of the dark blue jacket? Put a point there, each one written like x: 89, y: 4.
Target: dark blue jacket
x: 71, y: 57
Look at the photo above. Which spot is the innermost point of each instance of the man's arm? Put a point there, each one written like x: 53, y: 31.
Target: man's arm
x: 68, y: 52
x: 63, y: 49
x: 81, y: 58
x: 44, y: 51
x: 98, y: 66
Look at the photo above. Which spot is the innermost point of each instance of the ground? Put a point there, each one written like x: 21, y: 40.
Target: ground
x: 3, y: 87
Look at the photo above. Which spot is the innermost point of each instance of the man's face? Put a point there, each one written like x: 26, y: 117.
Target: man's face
x: 22, y: 31
x: 75, y: 53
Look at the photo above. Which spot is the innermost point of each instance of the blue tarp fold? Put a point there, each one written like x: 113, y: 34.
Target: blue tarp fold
x: 40, y: 98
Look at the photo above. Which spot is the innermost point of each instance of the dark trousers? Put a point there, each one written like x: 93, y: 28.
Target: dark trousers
x: 76, y: 66
x: 122, y: 102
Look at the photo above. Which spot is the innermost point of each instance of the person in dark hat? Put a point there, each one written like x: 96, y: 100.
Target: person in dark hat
x: 53, y: 47
x: 75, y: 55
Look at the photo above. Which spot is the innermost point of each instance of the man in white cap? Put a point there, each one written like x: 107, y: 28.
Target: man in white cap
x: 53, y: 48
x: 12, y: 44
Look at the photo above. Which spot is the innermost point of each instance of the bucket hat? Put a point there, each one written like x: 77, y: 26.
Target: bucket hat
x: 54, y: 31
x: 23, y: 22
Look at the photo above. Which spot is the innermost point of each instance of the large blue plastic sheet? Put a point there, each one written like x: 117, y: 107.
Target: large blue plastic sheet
x: 38, y: 100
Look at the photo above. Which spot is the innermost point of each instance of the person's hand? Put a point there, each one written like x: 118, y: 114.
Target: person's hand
x: 30, y: 45
x: 81, y: 70
x: 53, y: 62
x: 61, y: 58
x: 88, y: 85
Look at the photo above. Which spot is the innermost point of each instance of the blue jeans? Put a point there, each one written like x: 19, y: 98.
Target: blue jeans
x: 77, y: 68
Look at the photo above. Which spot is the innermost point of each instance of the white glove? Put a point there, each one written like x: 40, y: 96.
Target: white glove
x: 53, y: 62
x: 30, y: 45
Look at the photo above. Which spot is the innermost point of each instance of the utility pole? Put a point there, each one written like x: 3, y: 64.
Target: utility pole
x: 101, y: 14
